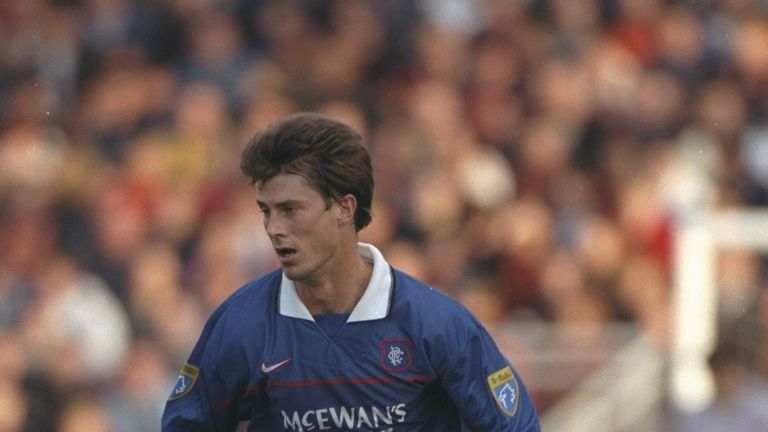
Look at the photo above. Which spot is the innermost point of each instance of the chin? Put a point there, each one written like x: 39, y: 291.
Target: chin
x: 293, y: 274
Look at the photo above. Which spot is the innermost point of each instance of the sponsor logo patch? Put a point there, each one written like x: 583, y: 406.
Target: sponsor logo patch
x: 184, y: 381
x: 504, y: 388
x: 396, y: 355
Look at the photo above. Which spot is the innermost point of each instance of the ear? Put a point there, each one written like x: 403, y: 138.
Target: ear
x: 346, y: 205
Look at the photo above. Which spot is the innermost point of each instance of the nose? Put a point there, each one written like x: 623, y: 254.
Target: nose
x: 274, y: 226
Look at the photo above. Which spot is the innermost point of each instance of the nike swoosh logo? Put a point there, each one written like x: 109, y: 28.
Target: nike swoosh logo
x: 267, y: 369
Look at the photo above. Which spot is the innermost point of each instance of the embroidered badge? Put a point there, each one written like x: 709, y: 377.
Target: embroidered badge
x: 503, y: 385
x: 184, y: 381
x: 395, y: 355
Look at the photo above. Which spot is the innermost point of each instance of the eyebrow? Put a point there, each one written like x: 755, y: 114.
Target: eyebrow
x: 290, y: 202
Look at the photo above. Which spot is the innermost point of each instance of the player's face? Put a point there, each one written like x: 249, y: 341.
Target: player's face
x: 304, y: 232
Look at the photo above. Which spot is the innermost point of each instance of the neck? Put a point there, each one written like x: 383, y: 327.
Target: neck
x: 339, y: 289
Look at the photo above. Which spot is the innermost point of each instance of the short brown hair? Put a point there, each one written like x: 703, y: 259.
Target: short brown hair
x: 329, y: 154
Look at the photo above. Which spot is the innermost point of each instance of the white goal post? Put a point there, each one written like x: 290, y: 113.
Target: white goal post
x: 697, y: 240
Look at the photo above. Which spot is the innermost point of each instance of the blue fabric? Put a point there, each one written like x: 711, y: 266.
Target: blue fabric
x: 331, y: 324
x: 427, y: 366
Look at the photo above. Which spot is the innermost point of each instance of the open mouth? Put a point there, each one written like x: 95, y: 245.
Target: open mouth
x: 285, y: 252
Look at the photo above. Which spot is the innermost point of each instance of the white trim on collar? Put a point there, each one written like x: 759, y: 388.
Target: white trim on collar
x: 374, y: 304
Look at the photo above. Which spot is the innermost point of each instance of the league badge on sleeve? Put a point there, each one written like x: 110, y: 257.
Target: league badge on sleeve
x: 184, y: 381
x: 504, y: 388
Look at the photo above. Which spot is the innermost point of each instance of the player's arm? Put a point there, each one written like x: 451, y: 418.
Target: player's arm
x: 489, y: 393
x: 204, y: 397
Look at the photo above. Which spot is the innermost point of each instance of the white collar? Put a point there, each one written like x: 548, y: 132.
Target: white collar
x: 374, y: 304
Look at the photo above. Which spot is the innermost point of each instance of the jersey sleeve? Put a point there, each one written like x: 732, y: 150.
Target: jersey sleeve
x: 488, y: 391
x: 204, y: 397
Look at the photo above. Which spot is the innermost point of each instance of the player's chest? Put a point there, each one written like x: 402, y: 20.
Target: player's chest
x: 377, y: 362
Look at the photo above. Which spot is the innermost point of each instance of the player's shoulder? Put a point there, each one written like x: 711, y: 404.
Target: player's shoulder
x: 263, y: 285
x: 414, y: 295
x: 433, y: 319
x: 252, y: 297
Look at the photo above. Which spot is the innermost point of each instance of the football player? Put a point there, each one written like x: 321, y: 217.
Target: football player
x: 336, y: 339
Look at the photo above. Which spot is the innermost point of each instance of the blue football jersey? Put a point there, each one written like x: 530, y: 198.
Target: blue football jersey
x: 408, y: 358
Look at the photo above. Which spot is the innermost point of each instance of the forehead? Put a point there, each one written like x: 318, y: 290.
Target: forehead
x: 285, y: 187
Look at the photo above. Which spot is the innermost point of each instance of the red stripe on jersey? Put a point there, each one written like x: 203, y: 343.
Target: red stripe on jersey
x: 335, y: 381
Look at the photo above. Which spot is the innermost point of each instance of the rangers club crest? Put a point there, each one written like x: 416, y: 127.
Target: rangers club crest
x: 503, y: 385
x: 184, y: 381
x: 396, y: 355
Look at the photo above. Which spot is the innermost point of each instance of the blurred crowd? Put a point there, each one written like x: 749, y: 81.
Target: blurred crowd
x: 532, y: 158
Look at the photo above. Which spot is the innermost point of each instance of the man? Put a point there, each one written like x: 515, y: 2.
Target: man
x: 337, y: 339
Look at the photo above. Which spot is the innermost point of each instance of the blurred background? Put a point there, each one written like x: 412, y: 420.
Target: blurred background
x: 586, y: 176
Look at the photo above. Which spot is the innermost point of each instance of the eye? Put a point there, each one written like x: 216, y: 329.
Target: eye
x: 288, y: 211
